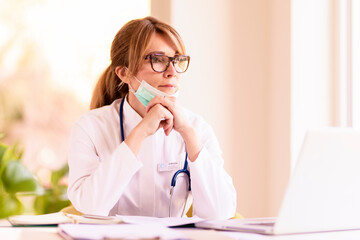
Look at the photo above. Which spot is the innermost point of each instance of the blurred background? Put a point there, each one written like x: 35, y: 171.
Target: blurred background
x: 262, y: 72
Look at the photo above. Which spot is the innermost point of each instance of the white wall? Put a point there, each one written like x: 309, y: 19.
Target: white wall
x: 239, y: 81
x: 279, y: 121
x: 250, y: 70
x: 278, y: 74
x: 311, y: 61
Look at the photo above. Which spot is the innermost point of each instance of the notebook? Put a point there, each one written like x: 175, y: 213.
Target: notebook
x: 53, y: 219
x: 323, y: 193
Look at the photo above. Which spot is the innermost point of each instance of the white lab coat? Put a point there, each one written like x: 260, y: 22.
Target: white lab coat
x: 106, y: 178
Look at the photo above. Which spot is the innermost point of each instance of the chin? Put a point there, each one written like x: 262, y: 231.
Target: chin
x: 168, y: 91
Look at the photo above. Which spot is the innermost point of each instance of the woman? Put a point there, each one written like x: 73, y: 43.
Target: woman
x: 125, y: 152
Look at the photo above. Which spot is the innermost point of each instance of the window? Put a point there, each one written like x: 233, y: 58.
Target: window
x: 325, y: 58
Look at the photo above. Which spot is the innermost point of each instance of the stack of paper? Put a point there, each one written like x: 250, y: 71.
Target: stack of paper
x: 94, y: 227
x: 167, y: 222
x: 58, y: 218
x: 119, y: 231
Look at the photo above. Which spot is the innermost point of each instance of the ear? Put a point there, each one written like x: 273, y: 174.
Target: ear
x: 121, y: 72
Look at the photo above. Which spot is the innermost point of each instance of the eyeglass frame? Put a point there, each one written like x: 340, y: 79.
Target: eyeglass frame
x: 171, y: 59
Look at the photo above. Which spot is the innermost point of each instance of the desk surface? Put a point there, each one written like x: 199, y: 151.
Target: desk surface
x: 50, y: 233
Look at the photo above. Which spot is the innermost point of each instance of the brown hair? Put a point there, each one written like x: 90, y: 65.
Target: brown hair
x: 128, y: 50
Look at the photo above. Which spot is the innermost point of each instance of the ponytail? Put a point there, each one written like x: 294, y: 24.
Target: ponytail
x: 108, y: 88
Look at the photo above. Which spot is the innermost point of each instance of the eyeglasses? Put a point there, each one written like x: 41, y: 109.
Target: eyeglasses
x: 160, y: 63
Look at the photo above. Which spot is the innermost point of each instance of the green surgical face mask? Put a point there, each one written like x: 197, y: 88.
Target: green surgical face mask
x: 146, y: 92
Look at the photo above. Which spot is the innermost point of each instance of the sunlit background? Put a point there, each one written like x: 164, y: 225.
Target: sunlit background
x: 51, y: 54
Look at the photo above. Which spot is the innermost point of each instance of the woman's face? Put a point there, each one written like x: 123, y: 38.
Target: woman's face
x: 167, y: 81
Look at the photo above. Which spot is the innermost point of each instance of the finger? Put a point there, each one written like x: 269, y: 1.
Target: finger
x: 167, y: 126
x: 164, y: 101
x: 153, y: 102
x: 168, y: 123
x: 161, y: 113
x: 166, y: 129
x: 173, y: 99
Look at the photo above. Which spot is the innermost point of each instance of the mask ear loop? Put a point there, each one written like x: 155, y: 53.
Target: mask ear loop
x: 121, y: 85
x: 131, y: 89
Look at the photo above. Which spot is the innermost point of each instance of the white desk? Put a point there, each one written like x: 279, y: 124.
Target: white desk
x: 50, y: 233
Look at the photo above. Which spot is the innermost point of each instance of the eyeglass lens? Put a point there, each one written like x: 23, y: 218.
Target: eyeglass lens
x: 161, y: 62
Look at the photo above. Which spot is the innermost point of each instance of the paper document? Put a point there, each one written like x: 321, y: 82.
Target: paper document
x: 58, y: 218
x: 167, y: 222
x: 118, y: 231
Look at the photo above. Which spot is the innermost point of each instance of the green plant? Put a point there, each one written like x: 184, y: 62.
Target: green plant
x: 54, y: 199
x: 15, y: 180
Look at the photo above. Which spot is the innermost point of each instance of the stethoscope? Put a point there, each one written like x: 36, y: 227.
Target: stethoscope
x: 176, y: 174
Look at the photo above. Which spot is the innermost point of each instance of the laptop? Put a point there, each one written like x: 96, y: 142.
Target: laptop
x: 323, y: 193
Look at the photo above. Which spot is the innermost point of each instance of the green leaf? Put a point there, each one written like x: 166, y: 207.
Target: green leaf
x: 16, y: 178
x: 2, y: 151
x: 56, y: 176
x: 50, y: 202
x: 9, y: 153
x: 9, y: 205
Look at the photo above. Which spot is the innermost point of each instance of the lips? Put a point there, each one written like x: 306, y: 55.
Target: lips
x: 167, y: 86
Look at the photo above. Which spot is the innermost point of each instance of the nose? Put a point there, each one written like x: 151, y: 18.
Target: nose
x: 170, y: 71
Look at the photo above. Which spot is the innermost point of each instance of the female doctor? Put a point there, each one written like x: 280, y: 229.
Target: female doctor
x: 138, y: 152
